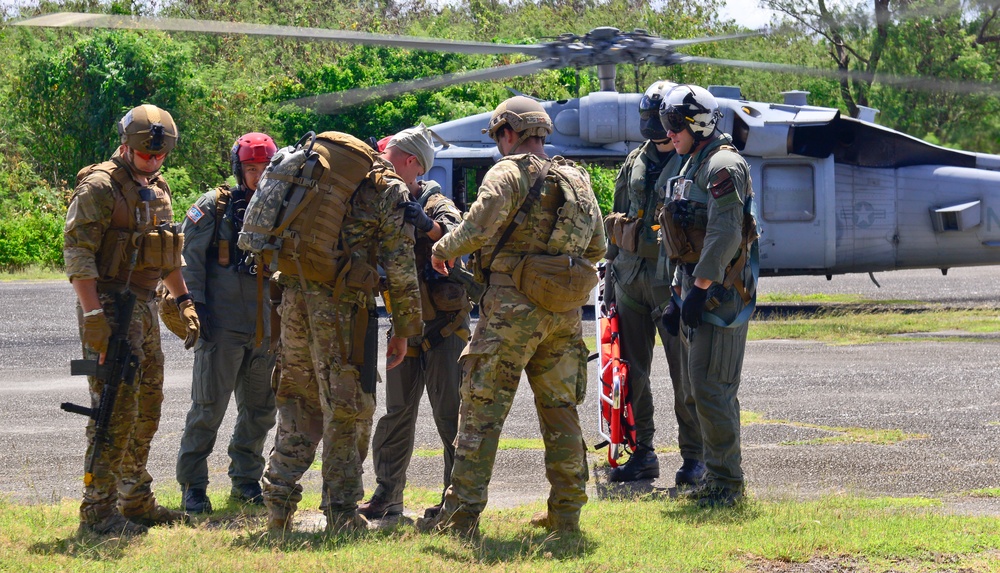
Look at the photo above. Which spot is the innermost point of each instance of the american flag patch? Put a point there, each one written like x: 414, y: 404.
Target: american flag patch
x: 195, y: 214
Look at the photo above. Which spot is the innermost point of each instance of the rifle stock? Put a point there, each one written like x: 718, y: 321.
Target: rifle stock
x: 120, y: 366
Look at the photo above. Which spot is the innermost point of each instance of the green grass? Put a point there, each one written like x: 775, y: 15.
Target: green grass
x: 986, y: 492
x: 813, y: 298
x: 34, y: 273
x: 505, y: 444
x: 842, y: 434
x: 835, y: 327
x: 863, y: 534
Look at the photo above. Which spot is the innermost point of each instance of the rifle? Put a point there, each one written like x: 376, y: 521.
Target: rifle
x: 458, y: 274
x: 120, y: 366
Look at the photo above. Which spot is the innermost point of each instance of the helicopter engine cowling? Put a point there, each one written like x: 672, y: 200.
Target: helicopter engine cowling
x: 602, y: 118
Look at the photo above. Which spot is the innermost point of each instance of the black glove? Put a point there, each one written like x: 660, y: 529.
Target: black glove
x: 414, y: 214
x: 671, y: 318
x: 608, y: 291
x: 203, y: 318
x: 693, y: 306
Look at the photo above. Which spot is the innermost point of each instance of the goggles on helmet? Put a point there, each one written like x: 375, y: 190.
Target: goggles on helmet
x: 649, y: 107
x: 675, y: 121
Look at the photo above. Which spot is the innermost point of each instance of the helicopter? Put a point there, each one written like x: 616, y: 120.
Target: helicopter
x: 836, y: 194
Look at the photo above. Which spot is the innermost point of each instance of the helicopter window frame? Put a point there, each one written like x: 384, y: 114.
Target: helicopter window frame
x: 794, y: 199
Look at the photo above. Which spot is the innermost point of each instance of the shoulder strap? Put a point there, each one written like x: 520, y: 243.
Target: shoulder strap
x: 529, y: 201
x: 222, y: 197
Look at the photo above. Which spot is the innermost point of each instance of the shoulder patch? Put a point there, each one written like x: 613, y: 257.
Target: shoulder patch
x: 194, y: 214
x: 722, y: 184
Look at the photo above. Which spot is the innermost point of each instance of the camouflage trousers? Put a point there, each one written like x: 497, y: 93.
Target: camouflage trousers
x: 437, y: 369
x: 120, y: 476
x: 640, y: 306
x: 514, y: 335
x: 318, y: 397
x: 712, y: 361
x: 229, y: 364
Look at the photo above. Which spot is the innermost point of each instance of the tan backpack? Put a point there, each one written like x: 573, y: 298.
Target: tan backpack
x: 293, y: 220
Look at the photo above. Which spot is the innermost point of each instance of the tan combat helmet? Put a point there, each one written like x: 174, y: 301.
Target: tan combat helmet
x: 524, y: 115
x: 148, y: 129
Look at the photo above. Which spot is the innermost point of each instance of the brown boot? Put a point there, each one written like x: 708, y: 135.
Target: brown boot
x: 158, y: 515
x: 379, y: 508
x: 345, y: 522
x: 113, y: 524
x: 279, y: 521
x: 555, y: 524
x: 458, y: 524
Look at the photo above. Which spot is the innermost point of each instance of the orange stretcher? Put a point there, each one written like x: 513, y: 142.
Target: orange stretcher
x: 616, y: 420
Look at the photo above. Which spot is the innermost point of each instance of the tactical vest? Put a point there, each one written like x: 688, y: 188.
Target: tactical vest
x: 442, y: 294
x: 294, y: 219
x: 683, y: 222
x: 552, y: 272
x: 634, y: 232
x: 142, y: 242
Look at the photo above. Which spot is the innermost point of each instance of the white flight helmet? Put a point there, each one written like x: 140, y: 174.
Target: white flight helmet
x: 692, y: 108
x: 649, y: 110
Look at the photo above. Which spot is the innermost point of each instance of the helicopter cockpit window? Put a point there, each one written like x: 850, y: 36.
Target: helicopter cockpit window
x: 788, y: 193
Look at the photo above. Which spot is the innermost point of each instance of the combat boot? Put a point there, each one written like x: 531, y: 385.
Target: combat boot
x: 158, y: 515
x: 279, y: 521
x: 458, y: 524
x: 717, y: 496
x: 248, y: 493
x: 691, y: 474
x: 196, y: 501
x: 345, y: 522
x: 379, y: 508
x: 642, y: 465
x: 554, y: 524
x: 113, y: 524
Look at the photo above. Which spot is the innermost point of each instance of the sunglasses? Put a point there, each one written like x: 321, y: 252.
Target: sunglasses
x: 149, y: 156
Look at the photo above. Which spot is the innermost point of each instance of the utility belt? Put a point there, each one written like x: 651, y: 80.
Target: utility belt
x: 115, y: 287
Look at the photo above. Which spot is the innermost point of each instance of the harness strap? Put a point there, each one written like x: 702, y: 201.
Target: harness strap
x: 534, y: 192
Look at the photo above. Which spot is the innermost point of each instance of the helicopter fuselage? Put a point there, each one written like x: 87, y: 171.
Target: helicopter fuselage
x: 835, y: 194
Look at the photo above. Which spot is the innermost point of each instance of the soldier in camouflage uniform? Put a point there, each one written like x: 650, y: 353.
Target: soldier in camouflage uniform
x: 432, y: 358
x: 515, y: 335
x: 228, y: 357
x: 319, y: 394
x: 639, y: 281
x: 714, y: 190
x: 116, y: 205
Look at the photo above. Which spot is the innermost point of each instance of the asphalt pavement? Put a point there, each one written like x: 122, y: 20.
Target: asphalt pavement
x: 941, y: 392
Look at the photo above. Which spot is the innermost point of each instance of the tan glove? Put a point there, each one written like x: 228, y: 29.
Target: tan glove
x: 96, y: 333
x: 190, y: 316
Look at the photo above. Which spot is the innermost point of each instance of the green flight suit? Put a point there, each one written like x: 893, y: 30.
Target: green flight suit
x: 713, y: 355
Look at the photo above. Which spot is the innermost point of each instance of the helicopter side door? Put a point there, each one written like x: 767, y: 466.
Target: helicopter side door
x: 795, y: 200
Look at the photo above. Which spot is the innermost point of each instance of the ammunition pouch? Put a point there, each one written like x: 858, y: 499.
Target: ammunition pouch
x: 558, y: 283
x: 680, y: 233
x: 114, y: 255
x: 624, y: 231
x: 159, y: 248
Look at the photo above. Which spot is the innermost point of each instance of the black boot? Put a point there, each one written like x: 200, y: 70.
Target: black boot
x: 691, y: 474
x: 642, y: 465
x: 196, y: 501
x: 249, y: 493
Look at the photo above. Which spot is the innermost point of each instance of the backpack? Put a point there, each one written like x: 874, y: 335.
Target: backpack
x: 293, y: 220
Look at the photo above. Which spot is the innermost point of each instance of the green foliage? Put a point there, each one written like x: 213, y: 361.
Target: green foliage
x: 602, y: 179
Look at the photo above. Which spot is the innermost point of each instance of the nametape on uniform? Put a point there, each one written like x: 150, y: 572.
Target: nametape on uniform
x: 195, y: 214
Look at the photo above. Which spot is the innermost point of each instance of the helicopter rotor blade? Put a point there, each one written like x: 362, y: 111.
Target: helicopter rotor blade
x: 332, y: 102
x: 80, y: 20
x: 927, y: 84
